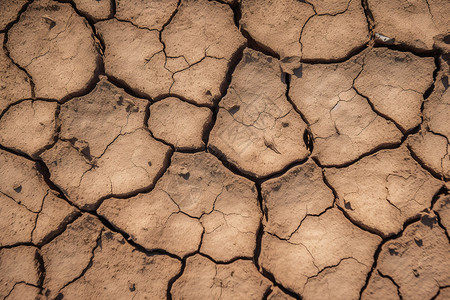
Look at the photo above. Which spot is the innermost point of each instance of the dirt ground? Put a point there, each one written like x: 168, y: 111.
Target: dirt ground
x: 229, y: 149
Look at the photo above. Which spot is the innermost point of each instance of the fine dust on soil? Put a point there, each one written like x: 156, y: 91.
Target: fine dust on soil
x: 224, y: 149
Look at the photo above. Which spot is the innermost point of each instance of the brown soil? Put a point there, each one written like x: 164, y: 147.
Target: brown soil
x: 224, y: 149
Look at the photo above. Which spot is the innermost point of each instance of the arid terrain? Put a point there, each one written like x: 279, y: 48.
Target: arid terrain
x: 229, y: 149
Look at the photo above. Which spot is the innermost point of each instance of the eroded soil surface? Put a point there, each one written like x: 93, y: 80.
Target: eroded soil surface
x: 224, y: 149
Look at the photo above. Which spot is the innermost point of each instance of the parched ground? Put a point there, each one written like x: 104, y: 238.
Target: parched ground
x: 229, y: 149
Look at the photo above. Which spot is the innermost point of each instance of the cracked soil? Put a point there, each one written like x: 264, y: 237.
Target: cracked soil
x: 224, y: 149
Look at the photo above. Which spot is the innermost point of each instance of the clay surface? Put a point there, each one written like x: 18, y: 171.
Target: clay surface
x: 224, y: 149
x: 29, y: 210
x: 315, y: 261
x: 146, y: 14
x: 431, y: 144
x: 313, y: 30
x: 18, y: 265
x: 94, y: 9
x: 10, y: 10
x: 418, y: 261
x: 94, y: 152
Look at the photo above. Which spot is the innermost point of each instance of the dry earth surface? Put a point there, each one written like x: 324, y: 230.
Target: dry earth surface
x: 229, y: 149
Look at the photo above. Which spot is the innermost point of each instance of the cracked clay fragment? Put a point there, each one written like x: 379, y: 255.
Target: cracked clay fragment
x: 383, y: 190
x: 327, y: 257
x: 24, y: 291
x: 196, y: 197
x: 179, y: 123
x: 431, y: 145
x: 86, y: 181
x: 277, y: 26
x: 257, y: 129
x: 411, y: 23
x: 203, y: 279
x: 105, y: 146
x: 442, y: 210
x: 122, y: 272
x: 69, y: 254
x: 29, y: 210
x: 56, y: 46
x: 343, y: 125
x: 10, y: 11
x: 18, y: 264
x: 278, y: 294
x: 288, y: 199
x: 14, y: 82
x: 146, y: 14
x: 29, y: 126
x: 331, y: 37
x: 419, y: 260
x: 193, y: 72
x: 94, y: 9
x: 380, y: 287
x: 203, y: 33
x: 395, y: 82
